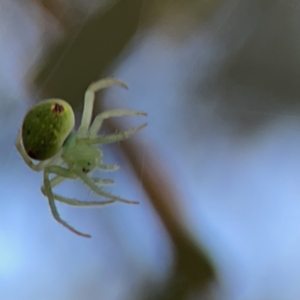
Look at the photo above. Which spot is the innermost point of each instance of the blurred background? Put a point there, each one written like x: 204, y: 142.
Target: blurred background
x: 216, y: 170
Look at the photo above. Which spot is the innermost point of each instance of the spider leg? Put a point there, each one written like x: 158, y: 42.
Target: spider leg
x: 67, y: 174
x: 89, y: 98
x: 95, y: 127
x: 58, y: 179
x: 103, y: 181
x: 48, y: 191
x: 36, y: 167
x: 105, y: 167
x: 90, y: 183
x: 75, y: 202
x: 112, y: 138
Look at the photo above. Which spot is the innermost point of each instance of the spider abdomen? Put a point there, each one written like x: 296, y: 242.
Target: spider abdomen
x: 45, y: 128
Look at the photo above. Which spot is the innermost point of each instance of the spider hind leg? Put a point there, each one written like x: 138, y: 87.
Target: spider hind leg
x: 47, y: 190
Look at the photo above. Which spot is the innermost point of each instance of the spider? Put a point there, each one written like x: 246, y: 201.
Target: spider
x: 47, y: 136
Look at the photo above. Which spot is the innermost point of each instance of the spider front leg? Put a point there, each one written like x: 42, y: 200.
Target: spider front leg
x: 95, y: 127
x: 112, y: 138
x: 89, y: 98
x: 48, y: 192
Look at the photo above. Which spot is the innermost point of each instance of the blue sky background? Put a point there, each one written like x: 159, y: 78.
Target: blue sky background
x: 235, y: 163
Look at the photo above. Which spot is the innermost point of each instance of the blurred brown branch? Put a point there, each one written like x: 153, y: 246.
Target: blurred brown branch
x: 192, y: 269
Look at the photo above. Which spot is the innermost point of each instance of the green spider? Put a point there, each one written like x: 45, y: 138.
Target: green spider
x: 47, y: 136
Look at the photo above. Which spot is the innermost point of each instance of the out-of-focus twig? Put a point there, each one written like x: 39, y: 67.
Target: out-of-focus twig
x: 192, y: 270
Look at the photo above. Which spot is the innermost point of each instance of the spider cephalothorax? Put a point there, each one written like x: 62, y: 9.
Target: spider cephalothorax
x: 47, y: 136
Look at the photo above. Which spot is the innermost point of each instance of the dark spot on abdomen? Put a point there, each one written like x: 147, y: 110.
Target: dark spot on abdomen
x: 32, y: 154
x: 57, y: 108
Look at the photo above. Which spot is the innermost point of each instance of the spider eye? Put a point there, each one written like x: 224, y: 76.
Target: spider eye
x: 46, y: 127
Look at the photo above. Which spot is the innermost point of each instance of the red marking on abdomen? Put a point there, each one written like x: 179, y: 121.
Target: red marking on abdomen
x: 57, y: 108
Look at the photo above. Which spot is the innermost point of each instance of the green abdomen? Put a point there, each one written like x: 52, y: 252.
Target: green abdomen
x: 45, y: 128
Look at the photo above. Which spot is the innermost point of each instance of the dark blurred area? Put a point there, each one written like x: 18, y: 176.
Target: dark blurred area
x: 215, y: 171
